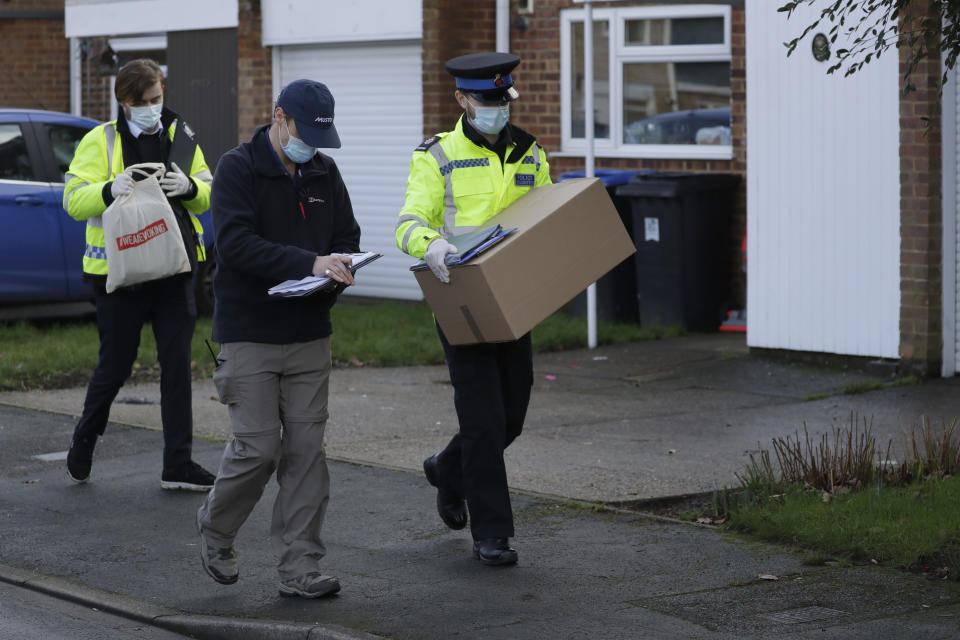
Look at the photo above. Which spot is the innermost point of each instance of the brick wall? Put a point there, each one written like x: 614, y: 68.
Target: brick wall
x: 452, y: 28
x: 921, y: 224
x: 254, y: 72
x: 538, y: 77
x: 35, y: 56
x: 32, y: 6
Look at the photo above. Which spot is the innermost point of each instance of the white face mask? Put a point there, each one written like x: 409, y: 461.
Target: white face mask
x: 146, y: 117
x: 296, y: 149
x: 490, y: 120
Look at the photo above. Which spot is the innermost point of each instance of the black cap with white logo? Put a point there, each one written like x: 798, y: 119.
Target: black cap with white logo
x: 310, y: 104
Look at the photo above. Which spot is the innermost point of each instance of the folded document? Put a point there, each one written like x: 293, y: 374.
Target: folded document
x: 470, y: 244
x: 312, y: 284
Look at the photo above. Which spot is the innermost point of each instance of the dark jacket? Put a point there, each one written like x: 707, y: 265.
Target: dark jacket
x: 270, y: 228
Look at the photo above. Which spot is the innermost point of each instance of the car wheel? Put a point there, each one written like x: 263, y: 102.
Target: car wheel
x: 203, y: 287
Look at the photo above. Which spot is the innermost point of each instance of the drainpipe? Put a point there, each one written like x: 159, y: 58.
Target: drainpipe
x: 76, y: 87
x: 503, y: 26
x: 589, y: 160
x: 950, y: 134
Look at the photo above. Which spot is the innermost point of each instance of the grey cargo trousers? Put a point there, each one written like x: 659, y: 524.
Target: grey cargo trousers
x: 277, y: 400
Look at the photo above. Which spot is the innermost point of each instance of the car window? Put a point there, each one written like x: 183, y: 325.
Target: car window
x: 63, y: 141
x: 14, y: 161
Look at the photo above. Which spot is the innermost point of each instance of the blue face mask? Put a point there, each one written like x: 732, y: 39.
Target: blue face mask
x: 296, y: 149
x: 490, y: 119
x: 146, y: 117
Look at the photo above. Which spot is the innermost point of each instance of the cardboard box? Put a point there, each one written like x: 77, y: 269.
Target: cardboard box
x: 569, y: 234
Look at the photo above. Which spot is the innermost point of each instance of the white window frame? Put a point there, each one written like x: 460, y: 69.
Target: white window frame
x: 621, y: 54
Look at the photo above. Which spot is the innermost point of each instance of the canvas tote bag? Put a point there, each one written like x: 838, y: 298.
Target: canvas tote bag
x: 143, y: 240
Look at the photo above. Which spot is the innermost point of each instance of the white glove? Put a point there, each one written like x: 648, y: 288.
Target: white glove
x: 122, y: 185
x: 175, y: 182
x: 435, y: 257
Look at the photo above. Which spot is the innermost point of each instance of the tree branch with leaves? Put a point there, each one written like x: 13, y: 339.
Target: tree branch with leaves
x: 868, y: 28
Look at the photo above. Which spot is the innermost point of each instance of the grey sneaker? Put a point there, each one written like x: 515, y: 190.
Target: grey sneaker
x: 220, y: 563
x: 310, y: 585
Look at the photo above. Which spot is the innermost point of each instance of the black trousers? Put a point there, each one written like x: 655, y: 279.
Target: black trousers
x: 491, y: 391
x: 170, y: 306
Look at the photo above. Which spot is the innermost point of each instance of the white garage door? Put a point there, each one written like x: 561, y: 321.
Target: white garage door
x: 951, y: 224
x: 379, y: 116
x: 823, y: 195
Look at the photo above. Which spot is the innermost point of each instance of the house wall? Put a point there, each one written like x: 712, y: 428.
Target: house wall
x: 34, y: 55
x: 921, y: 216
x: 538, y: 110
x: 452, y: 28
x: 254, y: 72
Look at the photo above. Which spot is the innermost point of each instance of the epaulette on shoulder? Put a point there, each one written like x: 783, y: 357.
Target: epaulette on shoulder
x: 187, y: 129
x: 429, y: 142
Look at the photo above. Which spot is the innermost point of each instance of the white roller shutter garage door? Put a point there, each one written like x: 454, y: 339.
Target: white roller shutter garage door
x: 379, y: 116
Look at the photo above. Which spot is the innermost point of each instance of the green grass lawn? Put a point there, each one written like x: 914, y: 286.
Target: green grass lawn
x: 909, y: 527
x: 47, y: 354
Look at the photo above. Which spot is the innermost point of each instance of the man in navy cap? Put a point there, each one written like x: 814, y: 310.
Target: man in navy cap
x: 281, y: 212
x: 458, y: 180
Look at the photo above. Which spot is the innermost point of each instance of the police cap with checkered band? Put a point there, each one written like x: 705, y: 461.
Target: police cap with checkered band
x: 486, y: 75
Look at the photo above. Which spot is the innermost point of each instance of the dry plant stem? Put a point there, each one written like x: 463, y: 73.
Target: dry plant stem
x: 936, y: 454
x: 841, y: 458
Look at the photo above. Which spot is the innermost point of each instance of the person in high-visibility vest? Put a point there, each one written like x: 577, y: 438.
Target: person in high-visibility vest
x: 458, y: 180
x: 145, y: 131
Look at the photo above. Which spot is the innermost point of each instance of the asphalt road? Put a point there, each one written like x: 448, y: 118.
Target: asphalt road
x: 620, y: 422
x: 29, y: 615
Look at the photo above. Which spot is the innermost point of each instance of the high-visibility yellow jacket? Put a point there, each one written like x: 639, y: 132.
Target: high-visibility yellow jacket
x: 93, y: 167
x: 456, y: 185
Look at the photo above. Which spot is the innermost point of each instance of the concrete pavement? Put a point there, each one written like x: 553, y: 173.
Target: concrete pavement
x: 617, y: 424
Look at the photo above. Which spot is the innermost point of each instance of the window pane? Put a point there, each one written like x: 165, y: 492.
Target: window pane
x: 64, y: 140
x: 601, y: 80
x: 674, y: 31
x: 676, y: 103
x: 14, y: 161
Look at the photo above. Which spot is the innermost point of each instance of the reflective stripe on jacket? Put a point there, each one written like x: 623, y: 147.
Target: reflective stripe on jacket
x: 97, y: 160
x: 456, y: 185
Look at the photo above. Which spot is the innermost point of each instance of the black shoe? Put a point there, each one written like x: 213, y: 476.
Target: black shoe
x: 80, y: 458
x: 191, y: 477
x: 450, y: 506
x: 494, y: 551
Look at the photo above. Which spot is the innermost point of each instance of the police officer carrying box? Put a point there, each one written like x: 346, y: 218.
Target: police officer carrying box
x: 458, y: 180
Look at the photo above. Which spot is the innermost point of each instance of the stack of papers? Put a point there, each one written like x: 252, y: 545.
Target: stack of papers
x: 312, y: 284
x: 470, y: 244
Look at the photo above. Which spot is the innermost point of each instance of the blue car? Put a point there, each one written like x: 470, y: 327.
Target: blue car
x: 41, y: 247
x: 680, y: 127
